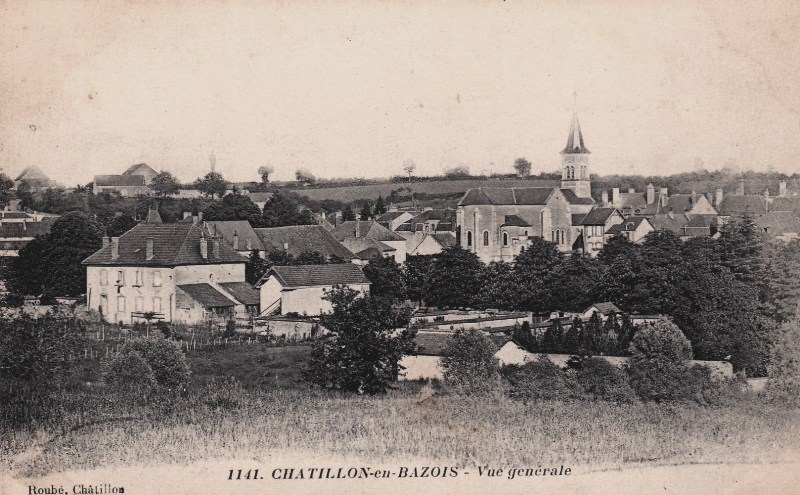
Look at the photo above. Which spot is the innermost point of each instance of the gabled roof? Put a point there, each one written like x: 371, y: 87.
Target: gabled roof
x: 779, y: 222
x: 681, y: 203
x: 140, y: 169
x: 629, y: 225
x: 118, y: 180
x: 316, y: 275
x: 736, y: 205
x: 675, y: 223
x: 243, y: 292
x: 575, y: 139
x: 207, y: 296
x: 32, y: 173
x: 785, y: 204
x: 366, y: 228
x: 507, y: 196
x: 632, y: 200
x: 298, y: 239
x: 366, y: 247
x: 174, y: 244
x: 577, y: 218
x: 391, y: 215
x: 605, y: 308
x: 260, y: 197
x: 22, y: 230
x: 598, y: 216
x: 241, y: 228
x: 573, y: 199
x: 515, y: 221
x: 444, y: 240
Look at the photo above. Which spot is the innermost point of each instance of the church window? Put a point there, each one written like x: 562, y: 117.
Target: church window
x: 552, y: 236
x: 485, y: 237
x: 505, y: 238
x: 469, y: 238
x: 558, y: 237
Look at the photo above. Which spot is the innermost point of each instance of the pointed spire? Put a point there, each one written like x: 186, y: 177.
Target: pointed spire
x: 575, y: 139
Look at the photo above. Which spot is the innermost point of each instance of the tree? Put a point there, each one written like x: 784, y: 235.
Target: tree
x: 574, y: 283
x: 362, y: 349
x: 659, y: 362
x: 457, y: 172
x: 617, y: 246
x: 348, y: 214
x: 283, y: 209
x: 454, y: 279
x: 495, y: 289
x: 380, y: 206
x: 264, y: 172
x: 303, y: 175
x: 256, y: 267
x: 120, y: 224
x: 523, y: 167
x: 366, y: 211
x: 782, y: 287
x: 468, y: 362
x: 5, y: 190
x: 415, y: 271
x: 165, y: 184
x: 387, y: 281
x: 52, y: 262
x: 408, y: 167
x: 531, y: 276
x: 212, y: 185
x: 784, y: 370
x: 234, y: 206
x: 164, y: 357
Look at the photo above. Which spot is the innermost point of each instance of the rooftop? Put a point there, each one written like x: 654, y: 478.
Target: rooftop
x: 207, y: 296
x: 316, y: 275
x: 299, y: 239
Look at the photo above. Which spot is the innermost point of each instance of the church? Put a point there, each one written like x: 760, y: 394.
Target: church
x: 497, y: 223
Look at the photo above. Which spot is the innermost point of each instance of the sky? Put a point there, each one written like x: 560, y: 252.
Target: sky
x: 354, y: 89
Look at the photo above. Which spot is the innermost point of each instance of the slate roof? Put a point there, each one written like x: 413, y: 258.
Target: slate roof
x: 675, y: 223
x: 444, y: 240
x: 515, y: 221
x: 598, y: 216
x: 779, y: 222
x: 21, y: 230
x: 577, y: 218
x: 506, y: 196
x: 242, y: 228
x: 736, y: 205
x: 303, y: 238
x: 141, y: 168
x: 366, y: 247
x: 207, y: 296
x: 390, y: 215
x: 786, y: 204
x: 32, y: 173
x: 173, y: 244
x: 119, y: 180
x: 316, y: 275
x: 573, y: 199
x: 605, y: 308
x: 629, y: 225
x: 367, y: 228
x: 681, y: 203
x: 243, y: 292
x: 575, y: 139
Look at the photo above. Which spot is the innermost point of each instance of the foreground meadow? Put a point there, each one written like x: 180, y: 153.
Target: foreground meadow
x: 247, y: 403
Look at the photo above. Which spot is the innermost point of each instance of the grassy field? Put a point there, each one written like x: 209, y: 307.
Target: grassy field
x: 246, y: 402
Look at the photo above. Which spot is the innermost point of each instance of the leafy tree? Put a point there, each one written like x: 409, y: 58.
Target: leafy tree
x: 348, y: 214
x: 362, y: 350
x: 495, y: 289
x: 25, y: 196
x: 164, y: 357
x: 128, y: 370
x: 782, y: 284
x: 741, y: 247
x: 53, y: 261
x: 366, y: 211
x: 310, y: 258
x: 454, y: 279
x: 617, y: 246
x: 784, y: 370
x: 119, y: 225
x: 416, y: 270
x: 601, y: 380
x: 234, y: 206
x: 256, y: 267
x: 212, y: 185
x: 380, y: 206
x: 165, y: 184
x: 541, y: 380
x: 35, y: 349
x: 468, y: 362
x: 305, y: 176
x: 522, y: 167
x: 5, y: 190
x: 283, y: 209
x: 387, y: 281
x: 531, y: 275
x: 264, y: 172
x: 574, y: 283
x: 659, y: 362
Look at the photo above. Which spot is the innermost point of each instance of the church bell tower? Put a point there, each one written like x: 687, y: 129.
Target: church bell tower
x: 575, y: 162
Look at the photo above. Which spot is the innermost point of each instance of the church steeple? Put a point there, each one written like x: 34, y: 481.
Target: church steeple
x: 575, y: 162
x: 575, y: 139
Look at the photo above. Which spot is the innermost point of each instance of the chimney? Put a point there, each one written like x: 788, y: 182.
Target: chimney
x: 186, y: 214
x: 694, y: 198
x: 651, y: 193
x: 740, y: 190
x: 235, y: 241
x: 604, y: 198
x: 358, y: 228
x: 203, y: 247
x: 114, y: 248
x: 782, y: 189
x: 286, y: 246
x: 718, y: 197
x: 663, y: 194
x: 766, y: 194
x: 615, y: 197
x: 106, y: 241
x: 149, y: 248
x: 199, y: 216
x: 215, y: 247
x: 631, y: 190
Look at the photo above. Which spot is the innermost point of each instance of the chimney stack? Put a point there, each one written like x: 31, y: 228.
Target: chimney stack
x: 718, y: 198
x: 114, y: 248
x: 235, y: 241
x: 631, y: 190
x: 615, y: 197
x: 199, y: 216
x: 286, y: 246
x: 782, y: 189
x: 604, y: 198
x: 106, y: 241
x: 694, y: 198
x: 651, y: 193
x: 187, y: 214
x: 203, y: 247
x: 215, y: 247
x: 149, y: 248
x: 358, y: 228
x: 740, y: 190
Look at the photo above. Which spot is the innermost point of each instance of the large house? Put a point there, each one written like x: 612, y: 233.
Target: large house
x: 239, y: 235
x: 595, y: 226
x: 367, y: 238
x: 296, y: 240
x: 300, y: 289
x: 33, y: 178
x: 497, y: 223
x: 135, y: 181
x: 175, y: 272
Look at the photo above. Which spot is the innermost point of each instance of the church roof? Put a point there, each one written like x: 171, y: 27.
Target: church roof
x: 139, y: 169
x: 507, y: 196
x: 573, y: 198
x: 515, y: 221
x: 575, y: 139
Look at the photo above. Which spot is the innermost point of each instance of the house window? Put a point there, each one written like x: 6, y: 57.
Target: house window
x: 104, y: 304
x: 558, y: 237
x: 469, y: 238
x: 505, y: 238
x: 138, y: 303
x: 120, y: 277
x: 120, y: 304
x: 103, y: 277
x: 157, y: 278
x: 485, y: 237
x: 157, y: 304
x: 138, y: 278
x: 526, y: 233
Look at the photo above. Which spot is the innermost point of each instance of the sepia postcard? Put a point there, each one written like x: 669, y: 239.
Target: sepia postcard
x: 440, y: 247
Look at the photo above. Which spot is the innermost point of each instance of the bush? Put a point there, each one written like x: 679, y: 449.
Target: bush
x: 659, y: 363
x: 700, y: 387
x: 14, y: 300
x: 601, y: 380
x: 469, y: 364
x: 128, y: 370
x: 784, y: 370
x: 541, y: 380
x: 164, y: 357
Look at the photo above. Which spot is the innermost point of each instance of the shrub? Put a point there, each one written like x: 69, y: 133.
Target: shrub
x: 468, y: 362
x: 128, y: 370
x: 700, y: 387
x: 601, y: 380
x: 14, y: 300
x: 659, y: 363
x: 784, y: 369
x: 541, y: 380
x: 164, y: 357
